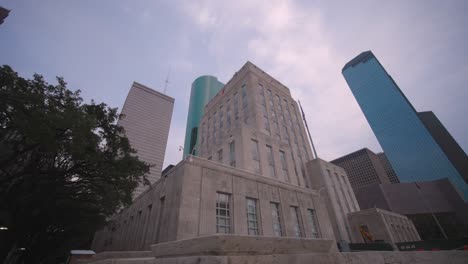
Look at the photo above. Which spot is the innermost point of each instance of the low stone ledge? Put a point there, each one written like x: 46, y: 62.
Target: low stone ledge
x: 406, y: 257
x: 227, y: 245
x: 119, y: 255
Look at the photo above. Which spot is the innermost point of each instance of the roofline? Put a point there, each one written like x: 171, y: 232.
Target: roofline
x: 364, y: 56
x: 151, y: 91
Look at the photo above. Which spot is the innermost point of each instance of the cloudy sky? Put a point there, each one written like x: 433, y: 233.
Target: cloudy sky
x: 101, y: 47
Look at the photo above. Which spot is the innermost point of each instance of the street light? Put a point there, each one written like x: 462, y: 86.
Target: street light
x: 3, y: 228
x: 193, y: 150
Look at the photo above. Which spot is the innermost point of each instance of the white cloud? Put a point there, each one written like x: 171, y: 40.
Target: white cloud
x: 289, y: 41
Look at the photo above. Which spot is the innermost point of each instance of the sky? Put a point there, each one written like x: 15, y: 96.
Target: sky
x: 101, y: 47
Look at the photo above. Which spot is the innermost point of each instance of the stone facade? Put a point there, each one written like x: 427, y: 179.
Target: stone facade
x: 254, y: 124
x: 382, y: 225
x: 338, y: 194
x: 184, y: 204
x: 147, y: 118
x: 223, y: 249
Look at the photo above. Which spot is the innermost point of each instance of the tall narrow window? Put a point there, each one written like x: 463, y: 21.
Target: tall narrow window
x: 244, y: 96
x: 221, y: 130
x: 223, y: 213
x: 312, y: 218
x: 160, y: 218
x: 271, y: 162
x: 232, y: 154
x: 215, y: 128
x: 295, y: 218
x: 284, y: 166
x: 236, y: 106
x: 220, y: 156
x: 266, y: 124
x: 221, y: 119
x: 276, y: 218
x: 341, y: 186
x: 286, y: 133
x: 252, y: 219
x: 255, y: 157
x: 202, y: 134
x: 208, y: 130
x: 277, y: 129
x: 228, y: 114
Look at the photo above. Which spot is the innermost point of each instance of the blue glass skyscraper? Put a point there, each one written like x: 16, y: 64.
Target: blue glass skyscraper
x: 410, y: 148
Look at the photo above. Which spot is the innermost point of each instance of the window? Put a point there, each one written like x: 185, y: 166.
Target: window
x: 223, y: 215
x: 255, y: 157
x: 286, y: 133
x: 244, y: 96
x: 335, y: 192
x: 312, y: 218
x: 341, y: 187
x: 220, y: 156
x: 266, y: 124
x: 236, y: 106
x: 252, y: 219
x: 232, y: 154
x: 228, y: 115
x: 221, y: 121
x: 284, y: 166
x: 295, y: 218
x: 214, y: 127
x: 208, y: 131
x: 202, y: 133
x: 244, y: 90
x: 275, y: 216
x: 277, y: 130
x: 271, y: 161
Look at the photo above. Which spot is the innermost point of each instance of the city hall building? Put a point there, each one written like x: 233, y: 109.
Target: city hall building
x: 249, y: 178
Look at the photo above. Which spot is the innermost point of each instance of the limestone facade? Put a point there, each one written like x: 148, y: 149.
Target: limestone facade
x: 332, y: 182
x: 233, y: 249
x: 382, y: 225
x: 189, y: 201
x: 254, y: 124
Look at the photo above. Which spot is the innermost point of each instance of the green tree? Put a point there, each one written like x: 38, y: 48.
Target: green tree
x: 65, y: 167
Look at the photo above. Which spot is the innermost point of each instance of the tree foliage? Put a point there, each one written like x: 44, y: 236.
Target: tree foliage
x: 65, y: 166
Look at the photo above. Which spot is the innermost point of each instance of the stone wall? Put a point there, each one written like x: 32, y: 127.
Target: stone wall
x: 233, y: 249
x: 383, y: 225
x: 182, y: 205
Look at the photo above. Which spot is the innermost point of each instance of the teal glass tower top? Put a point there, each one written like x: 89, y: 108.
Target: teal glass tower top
x: 410, y: 148
x: 204, y: 88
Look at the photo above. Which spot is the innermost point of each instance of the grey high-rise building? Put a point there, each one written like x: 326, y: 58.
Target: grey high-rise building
x: 446, y: 142
x: 365, y: 168
x: 391, y: 174
x: 147, y: 118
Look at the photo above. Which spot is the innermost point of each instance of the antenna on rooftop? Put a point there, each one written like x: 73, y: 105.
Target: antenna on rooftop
x: 166, y: 82
x: 308, y: 132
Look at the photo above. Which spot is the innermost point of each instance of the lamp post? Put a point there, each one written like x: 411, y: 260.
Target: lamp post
x: 193, y: 150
